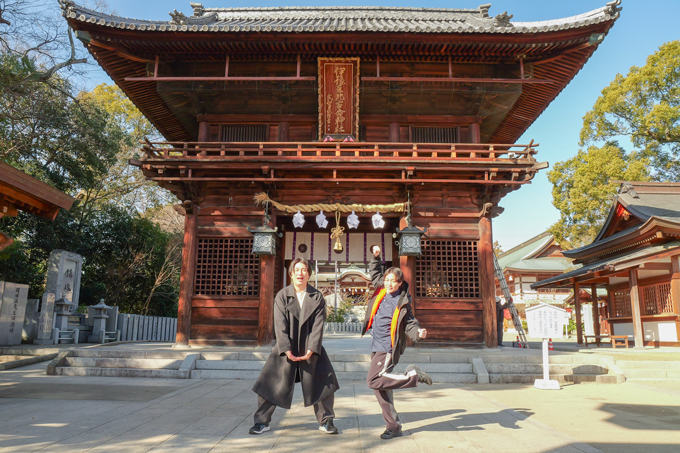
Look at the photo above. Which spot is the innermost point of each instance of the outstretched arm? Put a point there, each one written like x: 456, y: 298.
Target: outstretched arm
x: 375, y: 268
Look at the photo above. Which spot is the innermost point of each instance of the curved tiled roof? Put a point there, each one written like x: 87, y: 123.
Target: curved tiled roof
x: 339, y: 19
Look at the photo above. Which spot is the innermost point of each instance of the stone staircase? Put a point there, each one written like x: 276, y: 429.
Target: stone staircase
x: 443, y: 367
x: 113, y: 363
x: 348, y: 367
x: 639, y: 370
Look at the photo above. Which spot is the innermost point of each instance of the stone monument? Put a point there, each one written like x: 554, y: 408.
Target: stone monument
x: 62, y: 292
x: 12, y: 310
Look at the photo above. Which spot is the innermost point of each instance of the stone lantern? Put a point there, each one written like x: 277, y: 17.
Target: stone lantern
x: 99, y: 326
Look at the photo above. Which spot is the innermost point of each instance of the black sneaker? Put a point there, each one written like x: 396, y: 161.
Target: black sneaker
x: 422, y: 376
x: 259, y: 428
x: 388, y: 434
x: 328, y: 427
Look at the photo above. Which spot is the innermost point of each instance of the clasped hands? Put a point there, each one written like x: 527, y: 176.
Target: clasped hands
x: 292, y: 358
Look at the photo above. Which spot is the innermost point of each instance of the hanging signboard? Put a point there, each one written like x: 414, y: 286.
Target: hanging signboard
x: 338, y: 98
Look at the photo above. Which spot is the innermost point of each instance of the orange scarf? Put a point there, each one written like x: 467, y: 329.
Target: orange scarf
x: 395, y: 317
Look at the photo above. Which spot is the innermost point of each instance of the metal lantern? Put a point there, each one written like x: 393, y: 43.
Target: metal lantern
x: 264, y: 237
x: 408, y: 239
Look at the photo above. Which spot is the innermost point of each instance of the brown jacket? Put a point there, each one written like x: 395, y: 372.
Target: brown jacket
x: 407, y: 324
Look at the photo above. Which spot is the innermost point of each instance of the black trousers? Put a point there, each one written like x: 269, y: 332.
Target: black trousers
x: 383, y: 385
x: 323, y: 410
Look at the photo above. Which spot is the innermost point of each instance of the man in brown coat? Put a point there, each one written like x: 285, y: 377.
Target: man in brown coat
x: 298, y: 356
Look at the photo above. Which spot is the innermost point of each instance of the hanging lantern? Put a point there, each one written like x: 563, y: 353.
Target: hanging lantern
x: 264, y: 237
x: 408, y: 239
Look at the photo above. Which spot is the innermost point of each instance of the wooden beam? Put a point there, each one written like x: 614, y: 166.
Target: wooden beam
x: 186, y: 283
x: 449, y: 80
x: 487, y: 283
x: 577, y: 308
x: 213, y: 79
x: 638, y: 333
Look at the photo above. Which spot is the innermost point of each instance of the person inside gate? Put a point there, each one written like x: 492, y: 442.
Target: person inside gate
x: 390, y: 315
x: 297, y: 356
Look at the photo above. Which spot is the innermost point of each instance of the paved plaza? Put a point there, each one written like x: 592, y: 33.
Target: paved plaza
x: 73, y: 414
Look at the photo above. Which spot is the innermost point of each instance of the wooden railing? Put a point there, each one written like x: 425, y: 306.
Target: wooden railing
x: 335, y: 150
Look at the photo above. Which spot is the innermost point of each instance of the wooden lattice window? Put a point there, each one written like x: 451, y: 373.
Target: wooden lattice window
x: 448, y: 269
x: 227, y: 267
x: 622, y: 304
x: 421, y: 134
x: 657, y: 299
x: 244, y: 133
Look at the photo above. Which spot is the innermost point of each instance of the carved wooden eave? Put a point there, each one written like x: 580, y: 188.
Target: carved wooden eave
x: 21, y: 192
x: 551, y: 51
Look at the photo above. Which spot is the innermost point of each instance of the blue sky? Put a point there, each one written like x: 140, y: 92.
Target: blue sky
x: 643, y: 26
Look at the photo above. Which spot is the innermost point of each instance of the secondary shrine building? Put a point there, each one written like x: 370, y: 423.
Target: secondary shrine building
x: 346, y: 105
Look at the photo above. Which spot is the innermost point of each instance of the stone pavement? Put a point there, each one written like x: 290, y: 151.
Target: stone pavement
x: 73, y: 414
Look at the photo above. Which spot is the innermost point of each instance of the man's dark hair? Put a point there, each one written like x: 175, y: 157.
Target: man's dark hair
x: 370, y: 249
x: 291, y: 268
x: 398, y: 274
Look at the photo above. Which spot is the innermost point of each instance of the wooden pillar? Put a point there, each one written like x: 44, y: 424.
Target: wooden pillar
x: 638, y: 334
x: 486, y: 282
x: 203, y: 131
x: 186, y: 282
x: 675, y: 289
x: 577, y: 308
x: 475, y: 135
x: 265, y: 325
x: 393, y: 134
x: 596, y: 311
x: 284, y: 131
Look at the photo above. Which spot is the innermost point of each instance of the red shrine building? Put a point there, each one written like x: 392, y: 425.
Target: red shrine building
x: 358, y: 106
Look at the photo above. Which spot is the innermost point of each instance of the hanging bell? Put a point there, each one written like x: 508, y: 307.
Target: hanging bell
x: 338, y: 245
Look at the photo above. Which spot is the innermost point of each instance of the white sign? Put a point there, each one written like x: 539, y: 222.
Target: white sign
x: 545, y: 321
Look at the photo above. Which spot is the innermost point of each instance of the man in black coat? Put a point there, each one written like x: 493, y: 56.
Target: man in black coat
x: 390, y: 315
x: 298, y: 356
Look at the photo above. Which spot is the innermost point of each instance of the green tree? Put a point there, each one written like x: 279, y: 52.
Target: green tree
x: 583, y: 190
x: 644, y: 105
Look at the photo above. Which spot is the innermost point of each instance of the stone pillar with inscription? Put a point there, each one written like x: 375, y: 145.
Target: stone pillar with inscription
x: 12, y: 309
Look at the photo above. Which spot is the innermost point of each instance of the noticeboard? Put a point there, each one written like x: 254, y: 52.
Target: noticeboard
x: 545, y: 321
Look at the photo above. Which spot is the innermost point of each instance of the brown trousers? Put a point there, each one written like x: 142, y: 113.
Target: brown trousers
x: 383, y: 385
x: 323, y: 410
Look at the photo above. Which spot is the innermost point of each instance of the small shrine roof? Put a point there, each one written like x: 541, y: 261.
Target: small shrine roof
x: 341, y: 18
x: 525, y: 256
x: 647, y: 202
x: 615, y: 264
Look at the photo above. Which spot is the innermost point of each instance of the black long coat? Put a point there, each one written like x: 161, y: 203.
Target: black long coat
x: 297, y: 331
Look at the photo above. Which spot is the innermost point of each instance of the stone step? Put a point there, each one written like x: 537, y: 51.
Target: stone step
x: 524, y: 368
x: 561, y: 378
x: 650, y: 374
x: 114, y: 372
x: 154, y: 364
x: 104, y: 353
x: 12, y: 358
x: 649, y: 364
x: 337, y: 366
x: 468, y: 378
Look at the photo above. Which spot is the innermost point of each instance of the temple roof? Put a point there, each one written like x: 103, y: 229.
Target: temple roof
x: 647, y: 203
x: 527, y: 256
x: 343, y: 18
x: 551, y: 51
